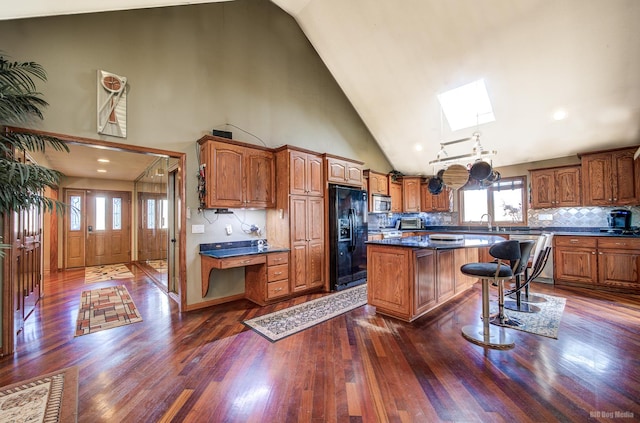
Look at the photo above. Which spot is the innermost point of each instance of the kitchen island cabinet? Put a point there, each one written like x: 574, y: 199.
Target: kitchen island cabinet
x: 408, y: 277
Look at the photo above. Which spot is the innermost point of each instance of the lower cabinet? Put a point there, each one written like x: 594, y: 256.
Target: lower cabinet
x: 406, y: 283
x: 264, y: 284
x: 597, y: 262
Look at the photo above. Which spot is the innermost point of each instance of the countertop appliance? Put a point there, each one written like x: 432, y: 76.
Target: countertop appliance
x: 411, y: 223
x: 380, y: 203
x: 347, y: 234
x: 619, y: 219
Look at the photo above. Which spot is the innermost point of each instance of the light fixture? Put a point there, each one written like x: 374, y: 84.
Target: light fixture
x: 103, y: 160
x: 560, y: 114
x: 102, y: 171
x: 477, y: 151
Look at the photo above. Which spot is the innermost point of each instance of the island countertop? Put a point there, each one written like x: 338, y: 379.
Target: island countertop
x: 424, y: 241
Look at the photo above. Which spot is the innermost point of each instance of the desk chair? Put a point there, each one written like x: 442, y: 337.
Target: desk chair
x: 498, y: 271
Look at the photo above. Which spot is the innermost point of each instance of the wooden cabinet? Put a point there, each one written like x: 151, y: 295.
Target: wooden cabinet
x: 461, y: 257
x: 307, y: 242
x: 264, y: 284
x: 556, y: 187
x: 305, y: 173
x: 343, y: 171
x: 411, y: 194
x: 395, y: 191
x: 611, y: 178
x: 434, y: 203
x: 378, y: 182
x: 236, y: 175
x: 597, y: 262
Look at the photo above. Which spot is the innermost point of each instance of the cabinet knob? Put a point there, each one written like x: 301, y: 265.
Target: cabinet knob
x: 600, y: 253
x: 594, y: 253
x: 278, y: 273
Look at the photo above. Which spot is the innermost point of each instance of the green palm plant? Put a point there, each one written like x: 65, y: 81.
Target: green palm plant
x: 21, y: 184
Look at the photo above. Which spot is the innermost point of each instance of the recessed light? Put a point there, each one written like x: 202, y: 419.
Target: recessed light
x: 103, y: 160
x: 102, y: 171
x: 560, y: 114
x: 418, y: 147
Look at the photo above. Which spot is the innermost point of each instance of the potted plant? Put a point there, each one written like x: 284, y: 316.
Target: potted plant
x: 21, y: 184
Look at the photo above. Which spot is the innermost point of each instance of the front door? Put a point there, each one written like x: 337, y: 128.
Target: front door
x: 97, y: 228
x: 154, y: 224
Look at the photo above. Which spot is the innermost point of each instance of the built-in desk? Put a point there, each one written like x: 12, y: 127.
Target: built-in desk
x: 266, y: 268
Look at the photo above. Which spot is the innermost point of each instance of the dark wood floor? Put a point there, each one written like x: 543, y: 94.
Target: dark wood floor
x: 207, y: 366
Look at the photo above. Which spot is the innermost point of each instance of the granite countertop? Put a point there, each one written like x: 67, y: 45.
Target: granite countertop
x: 569, y: 231
x: 423, y: 241
x: 238, y: 248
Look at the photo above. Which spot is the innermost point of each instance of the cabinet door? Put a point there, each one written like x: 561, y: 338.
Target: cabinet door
x: 260, y: 179
x: 426, y: 198
x: 568, y: 183
x: 299, y: 243
x: 337, y: 171
x: 425, y: 296
x: 626, y: 184
x: 575, y: 265
x: 542, y: 189
x: 314, y: 176
x: 596, y: 179
x: 378, y: 184
x: 619, y: 268
x: 390, y: 291
x: 395, y: 191
x: 225, y: 187
x: 441, y: 202
x: 297, y: 173
x: 411, y: 194
x: 446, y: 274
x: 315, y: 231
x: 354, y: 174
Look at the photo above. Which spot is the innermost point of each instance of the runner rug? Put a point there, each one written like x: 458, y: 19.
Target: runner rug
x: 282, y: 323
x: 48, y: 398
x: 105, y: 308
x: 159, y: 266
x: 546, y: 322
x: 106, y: 272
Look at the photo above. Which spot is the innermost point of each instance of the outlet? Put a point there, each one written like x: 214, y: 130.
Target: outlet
x: 197, y: 229
x: 228, y: 229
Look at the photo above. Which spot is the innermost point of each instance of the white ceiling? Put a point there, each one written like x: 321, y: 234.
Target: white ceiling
x: 392, y: 58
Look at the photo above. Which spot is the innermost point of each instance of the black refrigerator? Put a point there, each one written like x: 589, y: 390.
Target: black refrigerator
x: 348, y: 233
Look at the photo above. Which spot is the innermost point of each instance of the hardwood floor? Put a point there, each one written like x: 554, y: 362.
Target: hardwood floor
x: 207, y: 366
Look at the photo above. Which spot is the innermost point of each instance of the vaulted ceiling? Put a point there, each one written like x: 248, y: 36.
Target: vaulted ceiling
x: 393, y: 57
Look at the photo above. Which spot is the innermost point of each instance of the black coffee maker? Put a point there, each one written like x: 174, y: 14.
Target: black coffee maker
x: 619, y: 219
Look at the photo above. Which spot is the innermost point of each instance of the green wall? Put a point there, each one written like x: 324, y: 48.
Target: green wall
x: 191, y: 69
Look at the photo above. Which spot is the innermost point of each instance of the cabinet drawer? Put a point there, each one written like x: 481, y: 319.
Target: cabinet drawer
x: 276, y: 273
x: 277, y: 258
x: 277, y: 289
x: 228, y: 263
x: 575, y: 241
x: 619, y: 243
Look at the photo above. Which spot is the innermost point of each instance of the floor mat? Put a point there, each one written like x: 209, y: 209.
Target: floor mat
x: 105, y: 308
x: 106, y: 272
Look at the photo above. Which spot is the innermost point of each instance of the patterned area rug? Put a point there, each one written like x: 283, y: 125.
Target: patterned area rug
x: 280, y: 324
x: 48, y: 398
x: 159, y: 266
x: 105, y: 308
x: 106, y: 272
x: 546, y: 322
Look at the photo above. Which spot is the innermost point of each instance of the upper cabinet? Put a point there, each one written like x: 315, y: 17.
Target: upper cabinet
x: 378, y: 182
x: 411, y: 193
x: 305, y: 173
x: 431, y: 203
x: 395, y: 191
x: 343, y: 171
x: 236, y: 175
x: 556, y: 187
x: 611, y: 178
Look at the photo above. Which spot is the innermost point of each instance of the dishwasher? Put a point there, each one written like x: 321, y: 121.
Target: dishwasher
x: 546, y: 276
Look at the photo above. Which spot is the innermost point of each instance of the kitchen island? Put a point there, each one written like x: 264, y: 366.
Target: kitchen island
x: 408, y: 277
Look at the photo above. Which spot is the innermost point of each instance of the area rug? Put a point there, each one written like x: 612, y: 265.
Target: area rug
x: 159, y: 266
x: 106, y: 272
x: 48, y: 398
x: 105, y: 308
x: 286, y: 322
x: 545, y: 322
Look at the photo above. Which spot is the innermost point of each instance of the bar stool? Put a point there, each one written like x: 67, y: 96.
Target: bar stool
x: 497, y: 271
x: 519, y: 269
x: 542, y: 252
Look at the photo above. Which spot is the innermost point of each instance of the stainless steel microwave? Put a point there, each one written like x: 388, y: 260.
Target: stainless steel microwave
x: 381, y: 203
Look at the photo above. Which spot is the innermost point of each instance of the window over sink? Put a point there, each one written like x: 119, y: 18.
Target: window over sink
x: 504, y: 200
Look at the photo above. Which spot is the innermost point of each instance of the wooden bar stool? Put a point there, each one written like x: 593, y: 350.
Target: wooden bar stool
x: 498, y: 271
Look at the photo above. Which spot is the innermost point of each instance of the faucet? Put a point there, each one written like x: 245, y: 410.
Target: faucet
x: 489, y: 220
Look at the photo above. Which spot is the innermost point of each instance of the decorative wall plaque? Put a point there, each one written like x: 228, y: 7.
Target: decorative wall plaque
x: 112, y: 104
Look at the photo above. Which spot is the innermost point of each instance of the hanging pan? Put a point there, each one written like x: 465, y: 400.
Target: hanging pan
x: 480, y: 170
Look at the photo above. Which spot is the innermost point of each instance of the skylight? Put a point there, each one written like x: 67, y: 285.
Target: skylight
x: 467, y: 106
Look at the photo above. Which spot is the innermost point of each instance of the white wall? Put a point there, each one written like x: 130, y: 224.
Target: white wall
x: 191, y: 69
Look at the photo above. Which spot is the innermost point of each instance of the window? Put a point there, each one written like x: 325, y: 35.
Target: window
x: 101, y: 213
x: 467, y: 106
x: 117, y: 213
x: 151, y: 214
x: 505, y: 201
x: 76, y: 213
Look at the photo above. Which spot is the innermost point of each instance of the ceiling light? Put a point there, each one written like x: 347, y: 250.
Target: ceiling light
x: 102, y: 171
x: 103, y: 160
x: 418, y: 147
x: 560, y: 114
x: 467, y: 106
